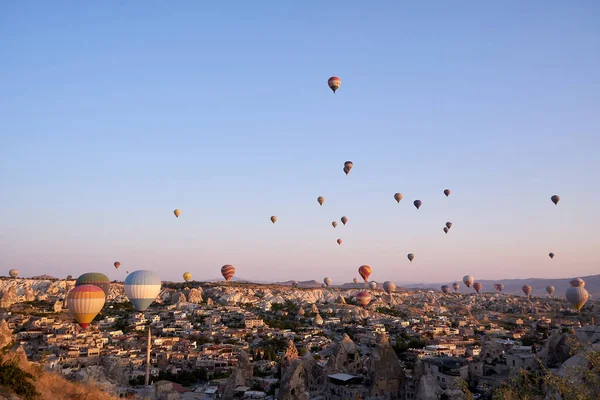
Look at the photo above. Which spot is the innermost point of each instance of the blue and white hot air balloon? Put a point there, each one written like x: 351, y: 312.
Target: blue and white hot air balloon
x: 141, y: 288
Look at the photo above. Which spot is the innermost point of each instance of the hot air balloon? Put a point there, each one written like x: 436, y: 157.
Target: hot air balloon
x: 550, y: 290
x: 576, y: 294
x: 468, y: 280
x: 334, y: 83
x: 355, y: 280
x: 373, y: 285
x: 348, y: 165
x: 13, y: 273
x: 295, y: 284
x: 344, y: 220
x: 273, y: 218
x: 551, y: 255
x: 85, y: 302
x: 126, y: 272
x: 346, y: 171
x: 448, y: 225
x: 363, y: 299
x: 445, y: 229
x: 323, y: 285
x: 417, y: 203
x: 389, y: 287
x: 141, y: 288
x: 496, y: 286
x: 447, y: 192
x: 445, y: 289
x: 321, y: 200
x: 526, y: 289
x: 398, y: 197
x: 339, y: 241
x: 410, y: 256
x: 477, y: 286
x: 500, y: 287
x: 577, y: 282
x: 227, y: 271
x: 334, y: 224
x: 455, y: 286
x: 187, y: 276
x: 555, y: 199
x: 117, y: 264
x: 327, y: 281
x: 94, y: 278
x: 177, y: 212
x: 364, y: 271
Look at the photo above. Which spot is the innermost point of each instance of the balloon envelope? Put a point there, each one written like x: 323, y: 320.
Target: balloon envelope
x: 227, y: 271
x: 339, y: 241
x: 141, y: 288
x: 455, y: 286
x: 177, y: 212
x: 13, y: 273
x: 550, y: 290
x: 398, y: 197
x: 334, y: 83
x: 355, y: 280
x: 577, y: 296
x: 417, y: 203
x: 445, y: 229
x: 448, y: 225
x: 555, y: 199
x: 327, y: 281
x: 94, y: 278
x: 577, y: 282
x: 364, y: 271
x: 551, y: 255
x: 500, y: 287
x: 85, y: 302
x: 273, y: 218
x: 321, y: 200
x: 187, y: 276
x: 447, y: 192
x: 389, y: 287
x: 373, y: 285
x: 344, y: 220
x: 334, y: 224
x: 410, y: 256
x: 363, y: 298
x: 477, y: 286
x: 117, y: 264
x: 468, y: 280
x: 526, y: 289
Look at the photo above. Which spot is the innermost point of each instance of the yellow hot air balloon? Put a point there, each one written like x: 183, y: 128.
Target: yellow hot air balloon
x: 85, y: 302
x: 273, y: 218
x: 187, y: 276
x: 321, y: 200
x: 177, y: 212
x: 398, y: 197
x: 364, y: 271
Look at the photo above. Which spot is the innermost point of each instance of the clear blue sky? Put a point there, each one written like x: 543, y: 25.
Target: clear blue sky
x: 115, y: 113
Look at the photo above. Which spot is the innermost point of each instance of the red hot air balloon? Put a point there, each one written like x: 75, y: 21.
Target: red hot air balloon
x: 477, y: 286
x: 227, y: 271
x: 363, y: 299
x: 364, y: 271
x: 334, y: 83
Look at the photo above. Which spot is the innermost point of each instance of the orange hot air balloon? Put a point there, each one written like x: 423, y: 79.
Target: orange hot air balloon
x: 526, y: 289
x: 273, y: 218
x: 85, y: 302
x: 344, y: 220
x: 410, y: 256
x: 177, y: 212
x: 117, y: 264
x: 447, y: 192
x: 417, y: 203
x: 227, y: 271
x: 364, y: 271
x: 321, y: 200
x: 334, y: 83
x: 477, y: 286
x: 363, y: 299
x: 398, y: 197
x: 339, y: 241
x: 334, y: 224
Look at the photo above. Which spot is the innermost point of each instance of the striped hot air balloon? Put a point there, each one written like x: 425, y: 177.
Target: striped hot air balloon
x: 364, y: 271
x: 141, y: 288
x: 94, y: 278
x: 363, y: 298
x: 227, y: 271
x: 85, y: 302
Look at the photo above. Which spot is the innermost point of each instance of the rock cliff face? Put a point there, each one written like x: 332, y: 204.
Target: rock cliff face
x: 9, y: 297
x: 195, y: 296
x: 241, y: 376
x: 346, y: 358
x: 289, y: 355
x: 302, y: 380
x: 5, y: 334
x: 387, y: 376
x: 556, y: 350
